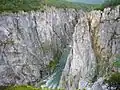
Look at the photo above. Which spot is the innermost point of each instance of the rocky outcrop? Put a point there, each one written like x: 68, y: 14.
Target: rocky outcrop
x: 29, y: 41
x: 96, y: 40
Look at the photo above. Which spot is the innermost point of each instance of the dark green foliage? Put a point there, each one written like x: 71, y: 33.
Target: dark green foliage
x: 16, y: 5
x: 3, y: 87
x: 23, y: 87
x: 111, y: 3
x: 65, y: 4
x: 99, y: 7
x: 108, y: 3
x: 114, y: 80
x: 54, y: 62
x: 28, y: 5
x: 116, y: 63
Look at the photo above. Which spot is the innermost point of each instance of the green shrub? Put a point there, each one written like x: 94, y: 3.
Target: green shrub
x: 16, y: 5
x: 107, y: 3
x: 23, y: 87
x: 113, y: 80
x: 53, y: 63
x: 66, y: 4
x: 28, y: 5
x: 3, y: 87
x: 110, y: 3
x: 116, y: 63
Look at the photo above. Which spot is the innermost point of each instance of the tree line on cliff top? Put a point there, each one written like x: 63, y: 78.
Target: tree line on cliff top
x: 28, y: 5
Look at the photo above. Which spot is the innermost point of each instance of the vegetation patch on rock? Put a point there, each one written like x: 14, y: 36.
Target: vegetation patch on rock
x: 24, y: 87
x: 114, y: 81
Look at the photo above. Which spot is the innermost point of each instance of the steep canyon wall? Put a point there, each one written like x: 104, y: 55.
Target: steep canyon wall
x: 29, y: 41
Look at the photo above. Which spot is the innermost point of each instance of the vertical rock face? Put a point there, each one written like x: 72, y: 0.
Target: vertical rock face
x: 96, y: 40
x: 28, y: 41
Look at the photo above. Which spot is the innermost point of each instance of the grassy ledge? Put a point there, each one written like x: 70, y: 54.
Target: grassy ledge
x: 24, y: 87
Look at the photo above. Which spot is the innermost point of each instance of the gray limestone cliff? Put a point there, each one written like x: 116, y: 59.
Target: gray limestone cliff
x: 29, y: 41
x: 96, y: 42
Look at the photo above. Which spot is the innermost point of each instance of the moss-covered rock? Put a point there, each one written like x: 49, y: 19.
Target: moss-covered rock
x: 114, y: 80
